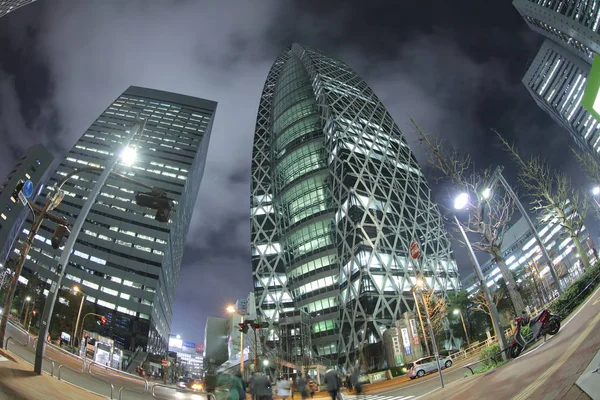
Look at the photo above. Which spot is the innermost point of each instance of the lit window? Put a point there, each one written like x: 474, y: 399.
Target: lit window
x: 3, y: 216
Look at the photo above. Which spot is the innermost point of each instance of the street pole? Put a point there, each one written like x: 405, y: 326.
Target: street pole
x: 421, y: 321
x: 66, y: 253
x: 493, y: 310
x: 242, y: 350
x: 255, y: 352
x: 435, y: 349
x: 498, y: 173
x: 78, y: 316
x: 464, y: 327
x: 26, y: 313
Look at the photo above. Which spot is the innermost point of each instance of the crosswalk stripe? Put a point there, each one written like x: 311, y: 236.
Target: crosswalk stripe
x: 377, y: 397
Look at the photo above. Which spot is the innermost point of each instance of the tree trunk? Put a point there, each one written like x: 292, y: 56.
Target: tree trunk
x: 511, y: 285
x: 585, y: 260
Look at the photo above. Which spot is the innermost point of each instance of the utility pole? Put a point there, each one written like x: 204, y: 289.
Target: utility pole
x: 435, y: 349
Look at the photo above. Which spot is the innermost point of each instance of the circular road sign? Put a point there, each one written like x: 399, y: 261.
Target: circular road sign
x: 415, y: 250
x: 28, y: 188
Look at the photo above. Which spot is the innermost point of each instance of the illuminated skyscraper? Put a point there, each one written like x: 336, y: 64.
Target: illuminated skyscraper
x: 126, y: 262
x: 336, y: 199
x: 7, y: 6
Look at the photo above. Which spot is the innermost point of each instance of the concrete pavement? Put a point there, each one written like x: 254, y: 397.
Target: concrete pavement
x: 547, y: 372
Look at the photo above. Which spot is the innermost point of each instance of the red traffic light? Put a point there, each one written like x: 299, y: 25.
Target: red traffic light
x: 101, y: 320
x: 243, y: 327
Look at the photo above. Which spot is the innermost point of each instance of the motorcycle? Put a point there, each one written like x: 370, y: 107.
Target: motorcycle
x: 543, y: 324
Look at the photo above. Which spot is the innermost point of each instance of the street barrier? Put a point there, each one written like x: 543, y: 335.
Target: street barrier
x: 123, y: 375
x: 112, y: 387
x: 15, y: 341
x: 177, y: 390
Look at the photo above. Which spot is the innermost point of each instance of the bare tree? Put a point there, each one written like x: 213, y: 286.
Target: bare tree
x: 552, y: 193
x: 589, y: 163
x: 488, y: 217
x: 437, y: 307
x: 483, y: 305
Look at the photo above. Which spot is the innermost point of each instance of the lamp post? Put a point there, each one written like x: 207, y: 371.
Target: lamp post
x: 28, y: 302
x: 78, y: 290
x: 421, y: 321
x: 461, y: 202
x: 232, y: 310
x: 418, y: 286
x: 458, y: 312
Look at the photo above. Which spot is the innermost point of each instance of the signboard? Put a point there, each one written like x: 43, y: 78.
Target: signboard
x: 189, y: 344
x: 175, y: 343
x: 22, y: 198
x: 590, y: 100
x: 65, y: 337
x: 415, y: 250
x: 200, y: 348
x: 164, y: 362
x: 415, y: 333
x: 406, y: 341
x: 27, y: 188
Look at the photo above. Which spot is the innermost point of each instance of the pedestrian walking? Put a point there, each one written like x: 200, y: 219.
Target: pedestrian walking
x: 261, y: 387
x: 333, y: 382
x: 283, y: 388
x: 301, y: 383
x: 356, y: 383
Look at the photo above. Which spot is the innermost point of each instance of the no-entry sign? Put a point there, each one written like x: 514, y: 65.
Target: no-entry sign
x: 415, y: 250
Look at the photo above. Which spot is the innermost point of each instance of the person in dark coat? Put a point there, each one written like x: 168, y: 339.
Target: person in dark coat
x: 356, y: 383
x: 243, y: 390
x: 333, y: 382
x: 261, y: 387
x: 301, y: 383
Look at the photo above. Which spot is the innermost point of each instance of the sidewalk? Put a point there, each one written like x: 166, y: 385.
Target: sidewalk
x: 19, y: 382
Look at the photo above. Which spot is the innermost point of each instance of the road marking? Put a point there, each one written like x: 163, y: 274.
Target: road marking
x: 2, y: 359
x: 535, y: 385
x: 377, y: 397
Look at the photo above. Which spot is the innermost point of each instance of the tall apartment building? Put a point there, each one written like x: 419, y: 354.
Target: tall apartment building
x: 557, y: 76
x: 556, y: 80
x: 520, y: 250
x: 127, y: 262
x: 7, y: 6
x: 34, y: 165
x: 336, y: 199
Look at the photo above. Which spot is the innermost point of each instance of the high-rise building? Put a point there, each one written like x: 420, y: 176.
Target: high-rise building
x: 572, y: 24
x: 34, y: 165
x: 557, y: 76
x: 7, y: 6
x: 556, y: 80
x: 336, y: 199
x: 521, y: 251
x: 127, y: 262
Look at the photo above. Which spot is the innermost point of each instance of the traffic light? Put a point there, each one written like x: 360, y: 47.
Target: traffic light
x: 17, y: 189
x: 243, y: 327
x: 156, y: 200
x: 257, y: 326
x: 59, y: 234
x: 101, y: 320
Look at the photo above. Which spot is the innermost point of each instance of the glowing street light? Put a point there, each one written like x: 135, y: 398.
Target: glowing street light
x: 178, y: 336
x: 461, y: 201
x: 457, y: 312
x: 487, y: 193
x: 596, y: 190
x: 128, y: 155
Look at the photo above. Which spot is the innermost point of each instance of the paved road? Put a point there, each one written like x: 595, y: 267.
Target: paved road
x: 100, y: 378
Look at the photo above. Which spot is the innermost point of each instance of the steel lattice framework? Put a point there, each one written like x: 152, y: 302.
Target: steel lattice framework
x: 337, y: 197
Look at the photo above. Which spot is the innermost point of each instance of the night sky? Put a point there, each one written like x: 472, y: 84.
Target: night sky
x: 455, y: 69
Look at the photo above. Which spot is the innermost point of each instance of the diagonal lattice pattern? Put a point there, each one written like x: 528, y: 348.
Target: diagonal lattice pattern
x: 337, y: 197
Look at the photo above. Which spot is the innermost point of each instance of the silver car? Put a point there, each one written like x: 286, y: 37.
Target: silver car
x: 426, y: 365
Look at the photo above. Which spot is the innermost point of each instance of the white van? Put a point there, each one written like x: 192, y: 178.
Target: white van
x: 426, y: 365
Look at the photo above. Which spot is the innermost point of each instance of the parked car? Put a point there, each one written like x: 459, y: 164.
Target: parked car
x: 426, y: 365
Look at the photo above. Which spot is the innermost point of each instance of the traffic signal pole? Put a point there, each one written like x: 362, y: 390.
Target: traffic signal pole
x: 66, y: 253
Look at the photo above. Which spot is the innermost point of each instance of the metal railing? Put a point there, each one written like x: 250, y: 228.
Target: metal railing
x: 119, y: 372
x: 208, y: 395
x: 15, y: 341
x: 112, y: 387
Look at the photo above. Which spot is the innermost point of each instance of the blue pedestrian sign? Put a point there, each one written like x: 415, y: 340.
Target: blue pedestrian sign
x: 28, y: 188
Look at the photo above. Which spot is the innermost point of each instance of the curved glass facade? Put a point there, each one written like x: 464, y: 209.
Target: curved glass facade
x: 337, y: 197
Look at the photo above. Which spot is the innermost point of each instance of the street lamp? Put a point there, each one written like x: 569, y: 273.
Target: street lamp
x: 596, y: 190
x: 420, y: 283
x: 27, y: 301
x: 493, y: 310
x: 232, y: 310
x: 487, y: 193
x: 457, y: 312
x: 128, y: 156
x: 76, y: 289
x: 461, y: 201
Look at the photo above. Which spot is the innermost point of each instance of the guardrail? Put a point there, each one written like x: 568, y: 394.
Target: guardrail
x: 122, y: 373
x: 15, y: 341
x: 112, y: 387
x: 208, y: 395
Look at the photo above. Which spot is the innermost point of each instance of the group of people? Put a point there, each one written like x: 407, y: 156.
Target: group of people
x: 233, y: 387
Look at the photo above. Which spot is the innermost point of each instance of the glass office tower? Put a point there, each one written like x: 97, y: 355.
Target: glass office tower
x: 336, y: 198
x: 127, y: 262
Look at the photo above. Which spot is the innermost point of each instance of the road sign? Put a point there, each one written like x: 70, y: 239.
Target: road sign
x: 164, y: 362
x: 28, y: 188
x: 22, y: 198
x: 415, y: 250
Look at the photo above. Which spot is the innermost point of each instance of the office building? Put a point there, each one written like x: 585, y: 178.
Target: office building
x: 127, y: 262
x: 336, y: 199
x: 557, y: 76
x: 7, y: 6
x: 34, y: 165
x: 571, y: 24
x: 556, y: 80
x: 189, y: 356
x: 521, y: 251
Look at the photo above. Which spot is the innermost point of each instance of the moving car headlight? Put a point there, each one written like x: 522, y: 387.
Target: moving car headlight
x: 196, y: 386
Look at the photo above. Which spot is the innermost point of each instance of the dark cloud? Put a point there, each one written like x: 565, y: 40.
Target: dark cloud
x: 455, y: 69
